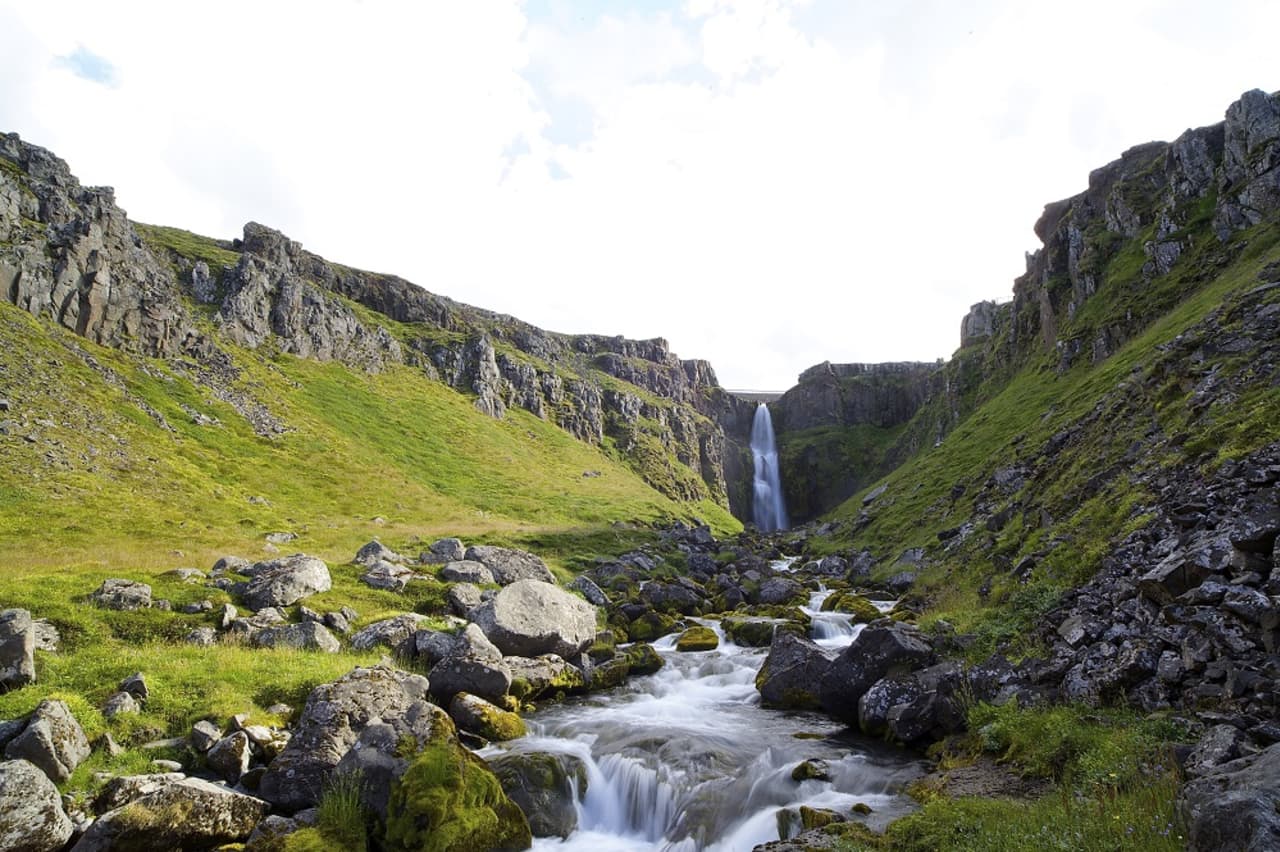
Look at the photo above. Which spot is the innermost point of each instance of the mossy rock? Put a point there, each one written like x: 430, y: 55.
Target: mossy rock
x: 610, y: 674
x: 812, y: 818
x: 652, y: 625
x: 605, y: 646
x: 698, y: 638
x: 814, y: 769
x: 750, y: 632
x: 859, y: 607
x: 643, y: 659
x: 448, y: 800
x: 783, y: 613
x: 477, y: 716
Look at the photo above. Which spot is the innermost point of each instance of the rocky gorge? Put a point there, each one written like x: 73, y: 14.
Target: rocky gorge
x: 1048, y: 563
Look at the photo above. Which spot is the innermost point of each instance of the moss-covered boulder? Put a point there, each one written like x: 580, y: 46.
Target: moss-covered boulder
x: 546, y: 787
x: 450, y: 801
x: 698, y: 638
x: 750, y: 632
x: 650, y: 625
x: 643, y: 659
x: 475, y: 715
x: 859, y: 607
x: 812, y: 769
x: 811, y: 818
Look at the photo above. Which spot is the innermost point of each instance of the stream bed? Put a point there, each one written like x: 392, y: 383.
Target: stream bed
x: 686, y: 759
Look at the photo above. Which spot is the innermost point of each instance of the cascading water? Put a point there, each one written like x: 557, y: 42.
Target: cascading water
x: 687, y: 759
x: 767, y: 507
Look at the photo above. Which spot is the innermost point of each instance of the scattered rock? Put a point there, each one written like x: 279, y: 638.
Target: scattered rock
x: 530, y: 617
x: 881, y: 649
x: 52, y: 740
x: 31, y: 815
x: 509, y: 566
x: 284, y: 582
x: 17, y: 649
x: 305, y: 636
x: 229, y: 757
x: 474, y: 665
x: 466, y: 572
x: 375, y: 552
x: 1236, y: 805
x: 204, y: 734
x: 792, y: 671
x: 125, y: 595
x: 474, y: 714
x: 389, y: 632
x: 184, y: 814
x: 698, y: 638
x: 387, y: 576
x: 118, y: 703
x: 442, y: 551
x: 462, y: 598
x: 545, y: 786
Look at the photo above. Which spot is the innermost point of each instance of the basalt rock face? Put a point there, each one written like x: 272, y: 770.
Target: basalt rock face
x: 70, y: 254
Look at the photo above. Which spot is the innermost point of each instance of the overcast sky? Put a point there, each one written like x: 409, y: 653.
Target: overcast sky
x: 767, y: 184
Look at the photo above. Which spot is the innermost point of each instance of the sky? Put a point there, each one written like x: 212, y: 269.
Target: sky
x: 767, y: 184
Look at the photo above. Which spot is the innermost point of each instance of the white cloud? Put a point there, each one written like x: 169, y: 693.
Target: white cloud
x: 767, y: 184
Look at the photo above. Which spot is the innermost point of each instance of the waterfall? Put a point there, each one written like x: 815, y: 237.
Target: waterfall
x: 767, y: 509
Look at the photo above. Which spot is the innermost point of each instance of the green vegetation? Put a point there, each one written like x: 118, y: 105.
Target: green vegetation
x: 342, y: 822
x: 449, y: 801
x: 216, y: 253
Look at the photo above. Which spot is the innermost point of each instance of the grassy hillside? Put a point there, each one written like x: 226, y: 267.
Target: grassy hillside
x: 106, y: 461
x: 1074, y: 448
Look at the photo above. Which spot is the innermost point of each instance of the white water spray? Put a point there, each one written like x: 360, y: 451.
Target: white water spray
x: 767, y: 507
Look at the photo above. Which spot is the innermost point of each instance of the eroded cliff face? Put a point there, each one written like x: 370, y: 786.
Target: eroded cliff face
x: 68, y: 253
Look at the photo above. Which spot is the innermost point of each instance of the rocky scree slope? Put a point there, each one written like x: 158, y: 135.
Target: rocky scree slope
x: 69, y: 254
x: 1154, y: 228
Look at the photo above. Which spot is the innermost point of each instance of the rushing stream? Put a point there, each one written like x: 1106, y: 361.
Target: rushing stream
x: 686, y: 759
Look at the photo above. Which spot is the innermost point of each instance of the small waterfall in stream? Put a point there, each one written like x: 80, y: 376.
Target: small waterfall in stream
x: 687, y: 759
x: 767, y: 507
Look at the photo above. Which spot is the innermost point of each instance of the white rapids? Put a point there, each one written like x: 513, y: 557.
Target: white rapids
x: 687, y: 759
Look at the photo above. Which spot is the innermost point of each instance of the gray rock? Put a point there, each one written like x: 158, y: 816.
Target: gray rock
x: 53, y: 740
x: 331, y: 721
x: 473, y: 714
x: 432, y: 646
x: 229, y: 757
x: 593, y: 593
x: 31, y: 815
x: 269, y: 835
x: 1235, y: 806
x: 232, y: 565
x: 509, y: 565
x: 337, y: 622
x: 126, y: 788
x: 462, y: 598
x: 17, y: 649
x: 389, y: 632
x: 284, y: 582
x: 136, y: 685
x: 211, y: 816
x: 1220, y: 744
x: 387, y: 576
x: 47, y: 636
x: 122, y: 595
x: 792, y: 671
x: 442, y: 551
x: 281, y: 537
x: 202, y: 637
x: 923, y: 705
x: 542, y: 675
x: 204, y: 735
x: 781, y: 590
x: 374, y: 552
x: 378, y: 755
x: 118, y: 703
x: 305, y: 636
x: 466, y: 572
x: 226, y: 615
x: 545, y: 787
x: 530, y: 617
x: 473, y: 665
x: 883, y: 648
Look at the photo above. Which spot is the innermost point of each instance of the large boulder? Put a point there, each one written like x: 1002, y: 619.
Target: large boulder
x: 509, y: 566
x: 442, y: 551
x: 883, y: 649
x: 184, y: 814
x: 285, y: 581
x: 545, y: 786
x: 473, y: 664
x: 473, y: 714
x: 463, y: 571
x: 303, y: 636
x: 122, y: 595
x: 388, y: 576
x: 1235, y: 806
x: 792, y: 671
x: 52, y: 739
x: 17, y: 649
x: 31, y: 815
x: 389, y: 632
x: 782, y: 590
x: 923, y: 705
x: 379, y: 756
x: 448, y: 800
x: 530, y: 617
x: 330, y: 724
